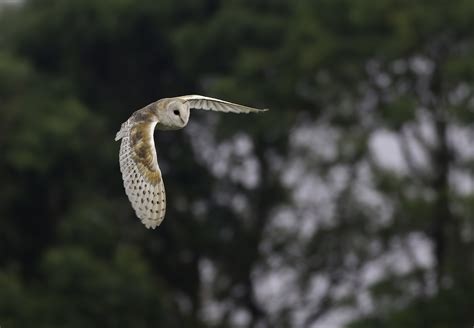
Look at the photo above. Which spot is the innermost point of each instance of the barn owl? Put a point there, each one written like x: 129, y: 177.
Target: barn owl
x: 141, y: 173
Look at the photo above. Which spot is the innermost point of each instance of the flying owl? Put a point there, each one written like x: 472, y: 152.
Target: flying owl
x: 141, y: 173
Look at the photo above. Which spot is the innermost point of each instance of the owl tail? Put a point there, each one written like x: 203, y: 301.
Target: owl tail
x: 121, y: 133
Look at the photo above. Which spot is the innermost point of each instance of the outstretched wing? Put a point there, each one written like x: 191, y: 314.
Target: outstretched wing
x: 208, y: 103
x: 140, y: 172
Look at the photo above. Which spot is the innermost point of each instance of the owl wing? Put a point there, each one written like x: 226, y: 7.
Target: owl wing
x: 218, y: 105
x: 140, y: 172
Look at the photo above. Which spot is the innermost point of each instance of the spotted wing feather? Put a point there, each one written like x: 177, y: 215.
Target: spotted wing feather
x: 140, y: 172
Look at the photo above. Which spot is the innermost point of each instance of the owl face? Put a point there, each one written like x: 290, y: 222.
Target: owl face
x: 172, y: 114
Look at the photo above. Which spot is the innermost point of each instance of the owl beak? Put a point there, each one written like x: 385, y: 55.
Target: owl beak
x: 185, y: 116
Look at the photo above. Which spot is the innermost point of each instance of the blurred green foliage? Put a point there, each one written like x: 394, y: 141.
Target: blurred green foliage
x: 72, y: 253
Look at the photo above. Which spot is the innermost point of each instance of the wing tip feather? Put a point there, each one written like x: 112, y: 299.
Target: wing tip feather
x: 151, y: 224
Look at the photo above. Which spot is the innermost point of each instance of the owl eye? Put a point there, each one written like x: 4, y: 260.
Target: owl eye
x: 176, y: 112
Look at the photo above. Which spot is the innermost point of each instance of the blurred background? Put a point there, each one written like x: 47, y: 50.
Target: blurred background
x: 349, y: 204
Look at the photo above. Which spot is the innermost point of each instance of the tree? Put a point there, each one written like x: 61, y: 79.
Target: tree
x: 350, y: 202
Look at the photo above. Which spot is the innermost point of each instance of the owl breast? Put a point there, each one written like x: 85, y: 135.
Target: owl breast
x: 169, y: 126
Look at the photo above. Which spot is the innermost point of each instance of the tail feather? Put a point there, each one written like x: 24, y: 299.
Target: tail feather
x: 121, y: 133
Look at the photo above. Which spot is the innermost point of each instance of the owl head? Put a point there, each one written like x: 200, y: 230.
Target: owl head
x: 172, y: 113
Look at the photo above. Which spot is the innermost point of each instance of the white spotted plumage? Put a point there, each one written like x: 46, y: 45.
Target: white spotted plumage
x: 147, y: 199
